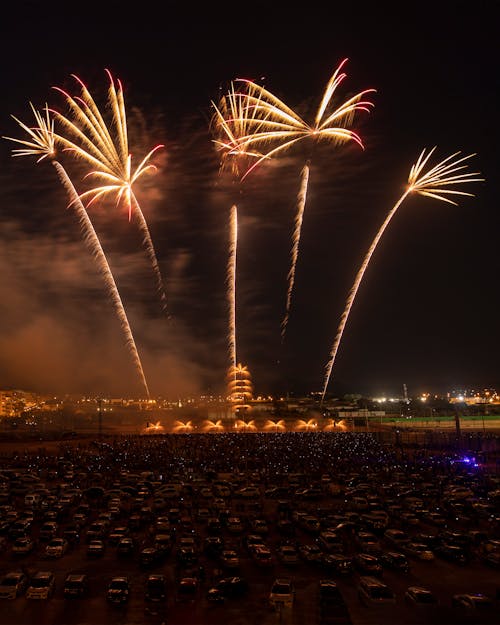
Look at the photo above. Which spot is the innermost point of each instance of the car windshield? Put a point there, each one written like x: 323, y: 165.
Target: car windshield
x: 9, y: 581
x: 40, y: 582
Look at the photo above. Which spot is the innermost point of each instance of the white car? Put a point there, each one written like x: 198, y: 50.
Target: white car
x: 41, y: 586
x: 282, y: 593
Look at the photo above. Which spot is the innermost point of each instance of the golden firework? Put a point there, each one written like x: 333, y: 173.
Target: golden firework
x: 42, y: 143
x: 105, y: 147
x: 438, y: 183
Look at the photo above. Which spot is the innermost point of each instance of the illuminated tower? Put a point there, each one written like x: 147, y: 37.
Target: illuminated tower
x: 240, y: 389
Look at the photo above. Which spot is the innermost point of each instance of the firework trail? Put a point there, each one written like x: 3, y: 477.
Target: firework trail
x: 295, y: 248
x: 435, y: 184
x: 107, y: 150
x: 230, y: 122
x: 231, y: 281
x: 273, y: 122
x: 42, y: 144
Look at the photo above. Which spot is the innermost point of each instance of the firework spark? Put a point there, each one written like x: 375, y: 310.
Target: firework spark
x: 213, y: 426
x: 181, y: 427
x: 154, y: 428
x: 245, y: 426
x: 233, y: 121
x: 434, y: 183
x: 275, y: 426
x: 106, y: 148
x: 276, y: 125
x: 306, y: 426
x: 42, y: 144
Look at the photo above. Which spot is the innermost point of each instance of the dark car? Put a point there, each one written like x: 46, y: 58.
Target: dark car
x: 187, y: 589
x: 118, y: 591
x: 477, y: 604
x: 310, y: 552
x: 367, y: 564
x: 76, y: 586
x: 213, y: 546
x: 13, y: 584
x: 452, y: 553
x: 395, y: 560
x: 232, y: 587
x: 332, y: 607
x: 336, y: 563
x: 125, y: 547
x: 156, y: 588
x: 420, y: 597
x: 149, y: 556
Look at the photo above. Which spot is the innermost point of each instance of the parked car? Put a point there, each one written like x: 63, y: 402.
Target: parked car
x: 13, y: 585
x: 396, y: 537
x: 452, y: 553
x: 474, y: 603
x: 76, y: 586
x: 420, y: 597
x: 41, y: 586
x: 367, y: 564
x: 126, y: 546
x: 287, y: 555
x: 48, y: 530
x: 56, y: 547
x: 229, y: 559
x: 187, y: 589
x: 372, y: 591
x: 118, y: 591
x: 330, y: 542
x: 22, y: 546
x: 282, y: 593
x: 149, y: 556
x: 96, y: 548
x: 232, y: 587
x: 395, y: 560
x: 310, y: 553
x: 419, y: 551
x: 332, y: 608
x: 156, y: 588
x: 262, y: 556
x: 336, y: 563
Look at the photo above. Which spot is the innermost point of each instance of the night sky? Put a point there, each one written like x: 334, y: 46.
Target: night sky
x: 426, y: 314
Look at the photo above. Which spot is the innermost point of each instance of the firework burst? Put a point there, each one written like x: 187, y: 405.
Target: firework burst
x: 105, y: 148
x: 231, y: 121
x: 42, y: 144
x: 437, y: 182
x: 276, y: 128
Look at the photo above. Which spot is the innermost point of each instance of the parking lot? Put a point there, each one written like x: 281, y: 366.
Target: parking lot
x: 301, y: 507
